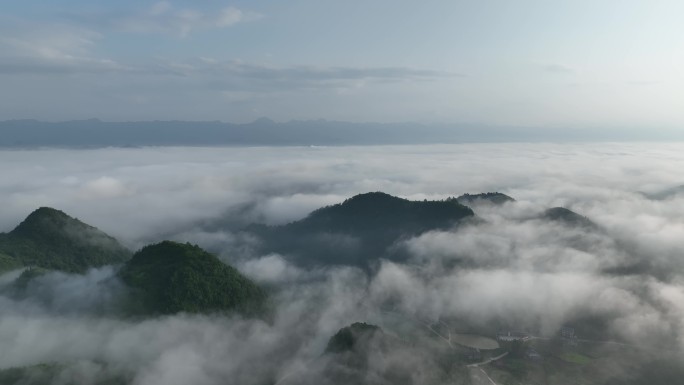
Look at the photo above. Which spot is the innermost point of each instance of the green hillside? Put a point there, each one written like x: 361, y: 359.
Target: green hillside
x: 51, y: 239
x: 171, y: 277
x: 8, y: 263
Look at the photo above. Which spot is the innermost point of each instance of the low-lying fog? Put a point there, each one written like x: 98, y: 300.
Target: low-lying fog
x: 531, y: 273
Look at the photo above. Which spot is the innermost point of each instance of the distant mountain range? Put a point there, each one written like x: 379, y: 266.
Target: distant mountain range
x: 94, y: 133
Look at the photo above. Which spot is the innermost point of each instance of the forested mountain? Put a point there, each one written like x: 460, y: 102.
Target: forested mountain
x: 362, y: 353
x: 360, y: 229
x: 171, y: 277
x: 352, y: 337
x: 567, y: 217
x: 496, y: 198
x: 51, y: 239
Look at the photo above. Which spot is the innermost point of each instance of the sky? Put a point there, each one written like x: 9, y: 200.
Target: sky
x: 551, y: 64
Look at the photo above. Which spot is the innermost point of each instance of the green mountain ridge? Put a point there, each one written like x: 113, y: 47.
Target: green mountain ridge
x: 51, y: 239
x: 361, y: 229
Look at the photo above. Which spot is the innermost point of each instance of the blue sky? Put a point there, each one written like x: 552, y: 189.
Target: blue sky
x: 541, y: 63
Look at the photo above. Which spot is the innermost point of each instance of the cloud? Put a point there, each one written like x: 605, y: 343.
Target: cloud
x: 238, y: 77
x: 558, y: 69
x: 96, y: 292
x: 58, y: 50
x: 103, y: 188
x: 28, y: 47
x: 508, y: 269
x: 643, y: 83
x: 165, y: 18
x: 51, y: 49
x: 271, y: 269
x: 167, y: 187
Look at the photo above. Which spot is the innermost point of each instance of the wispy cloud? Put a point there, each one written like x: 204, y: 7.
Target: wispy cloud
x: 166, y: 18
x: 558, y: 69
x: 643, y: 82
x: 236, y: 74
x: 51, y: 49
x: 59, y: 48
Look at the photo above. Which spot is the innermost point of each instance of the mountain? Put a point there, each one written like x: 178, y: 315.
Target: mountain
x: 669, y: 193
x: 171, y: 277
x: 359, y: 230
x: 495, y: 198
x: 362, y: 353
x: 8, y: 263
x: 51, y: 239
x: 352, y: 337
x: 352, y: 352
x: 567, y: 217
x: 57, y: 373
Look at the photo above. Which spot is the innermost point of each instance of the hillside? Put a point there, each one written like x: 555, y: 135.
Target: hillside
x: 566, y: 217
x: 171, y: 277
x: 8, y: 263
x: 51, y: 239
x: 360, y: 229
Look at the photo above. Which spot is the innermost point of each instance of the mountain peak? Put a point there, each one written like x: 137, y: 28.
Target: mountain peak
x: 176, y: 277
x: 362, y: 228
x: 495, y: 198
x: 567, y: 216
x: 47, y: 211
x: 350, y: 337
x: 371, y: 197
x: 51, y: 239
x: 45, y: 219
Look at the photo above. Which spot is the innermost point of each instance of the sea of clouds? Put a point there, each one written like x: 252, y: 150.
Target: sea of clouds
x: 510, y: 264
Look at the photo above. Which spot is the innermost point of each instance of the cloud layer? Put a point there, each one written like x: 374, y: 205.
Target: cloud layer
x: 621, y: 280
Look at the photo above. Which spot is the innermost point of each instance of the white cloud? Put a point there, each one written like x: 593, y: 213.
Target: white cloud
x: 52, y: 48
x: 271, y: 269
x: 103, y: 188
x: 163, y: 17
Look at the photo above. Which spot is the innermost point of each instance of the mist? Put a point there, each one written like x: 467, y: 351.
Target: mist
x: 509, y: 268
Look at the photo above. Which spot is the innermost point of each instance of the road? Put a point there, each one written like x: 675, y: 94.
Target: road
x: 485, y: 362
x: 479, y: 376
